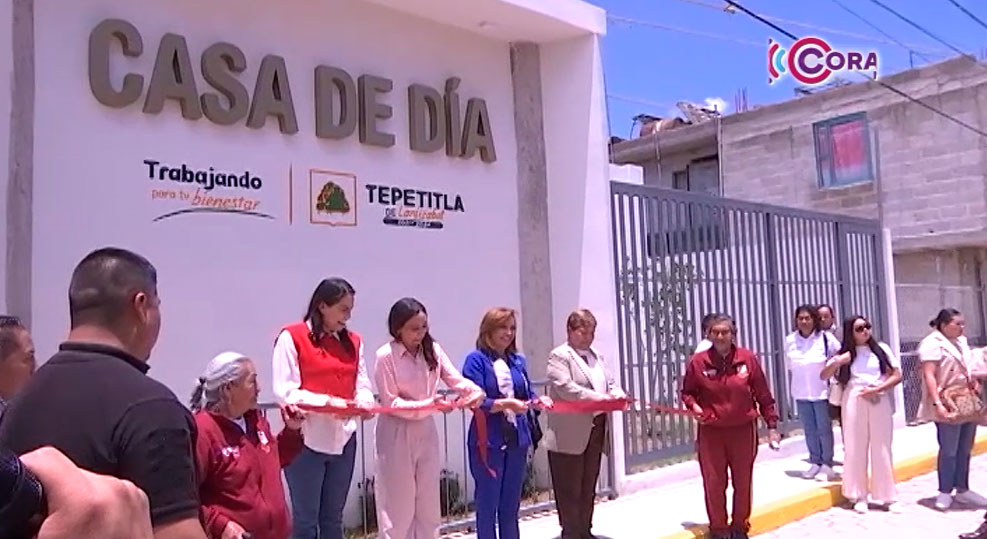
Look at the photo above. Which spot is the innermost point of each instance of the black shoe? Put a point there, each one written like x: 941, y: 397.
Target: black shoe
x: 979, y: 533
x: 739, y: 535
x: 719, y: 536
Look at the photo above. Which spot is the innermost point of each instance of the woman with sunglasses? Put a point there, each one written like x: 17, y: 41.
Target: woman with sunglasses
x: 868, y: 371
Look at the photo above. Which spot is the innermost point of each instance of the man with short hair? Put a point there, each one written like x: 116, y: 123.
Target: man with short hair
x: 16, y: 358
x: 93, y: 401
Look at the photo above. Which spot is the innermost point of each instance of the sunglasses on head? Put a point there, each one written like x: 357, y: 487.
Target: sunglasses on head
x: 7, y: 321
x: 862, y: 328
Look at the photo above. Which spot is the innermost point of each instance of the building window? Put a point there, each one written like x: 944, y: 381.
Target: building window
x: 680, y: 180
x: 843, y: 151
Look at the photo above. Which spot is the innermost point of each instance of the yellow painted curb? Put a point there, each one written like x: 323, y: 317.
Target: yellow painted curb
x: 776, y: 514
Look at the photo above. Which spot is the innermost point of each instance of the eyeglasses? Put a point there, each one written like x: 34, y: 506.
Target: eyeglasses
x: 862, y: 328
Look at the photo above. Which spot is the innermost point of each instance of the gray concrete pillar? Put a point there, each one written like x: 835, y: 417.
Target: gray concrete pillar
x: 20, y: 188
x: 535, y: 267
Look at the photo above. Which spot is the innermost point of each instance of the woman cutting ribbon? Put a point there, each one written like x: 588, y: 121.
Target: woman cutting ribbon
x: 498, y: 463
x: 577, y: 372
x: 407, y: 372
x: 319, y: 362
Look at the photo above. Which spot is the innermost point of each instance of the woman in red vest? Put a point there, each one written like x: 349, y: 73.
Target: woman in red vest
x: 319, y: 362
x: 239, y: 460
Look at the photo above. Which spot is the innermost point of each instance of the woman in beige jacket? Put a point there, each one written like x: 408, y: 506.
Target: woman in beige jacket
x: 576, y: 442
x: 946, y: 359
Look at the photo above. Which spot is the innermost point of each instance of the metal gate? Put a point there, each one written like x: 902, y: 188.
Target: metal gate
x: 680, y: 255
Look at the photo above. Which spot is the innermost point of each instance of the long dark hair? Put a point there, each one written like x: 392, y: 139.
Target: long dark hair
x: 944, y: 317
x: 850, y: 345
x: 330, y: 292
x: 403, y: 310
x: 812, y: 311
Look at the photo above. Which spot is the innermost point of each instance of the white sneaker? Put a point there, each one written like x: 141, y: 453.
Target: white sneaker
x: 860, y: 506
x: 943, y: 501
x: 812, y: 472
x: 971, y: 498
x: 827, y: 474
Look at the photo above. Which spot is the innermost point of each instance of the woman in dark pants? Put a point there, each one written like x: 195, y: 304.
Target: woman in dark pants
x: 318, y: 362
x: 726, y: 389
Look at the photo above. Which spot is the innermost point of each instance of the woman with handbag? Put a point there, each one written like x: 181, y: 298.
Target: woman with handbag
x: 806, y: 351
x: 499, y: 467
x: 952, y: 400
x: 867, y: 370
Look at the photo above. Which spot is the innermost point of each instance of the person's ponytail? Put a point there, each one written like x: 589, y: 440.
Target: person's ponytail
x: 195, y: 403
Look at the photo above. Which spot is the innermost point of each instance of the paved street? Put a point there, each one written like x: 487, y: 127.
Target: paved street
x: 917, y: 520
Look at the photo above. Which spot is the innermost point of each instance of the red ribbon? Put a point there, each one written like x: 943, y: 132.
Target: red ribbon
x: 479, y: 416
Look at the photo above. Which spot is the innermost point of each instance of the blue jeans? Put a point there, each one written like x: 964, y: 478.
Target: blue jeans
x: 498, y: 499
x: 955, y: 447
x: 319, y: 484
x: 818, y: 427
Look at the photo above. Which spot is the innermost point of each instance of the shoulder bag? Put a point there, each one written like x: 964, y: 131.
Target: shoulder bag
x: 835, y: 389
x: 962, y: 403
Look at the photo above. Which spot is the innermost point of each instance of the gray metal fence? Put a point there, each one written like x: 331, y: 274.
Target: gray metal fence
x: 680, y: 255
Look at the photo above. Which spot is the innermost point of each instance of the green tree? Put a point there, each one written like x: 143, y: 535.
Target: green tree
x: 332, y: 199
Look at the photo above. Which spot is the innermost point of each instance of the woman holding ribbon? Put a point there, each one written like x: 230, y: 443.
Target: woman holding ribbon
x: 578, y: 375
x: 725, y: 388
x: 318, y: 363
x: 239, y: 460
x: 499, y: 459
x: 407, y: 372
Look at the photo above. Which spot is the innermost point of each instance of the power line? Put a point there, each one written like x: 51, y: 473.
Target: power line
x: 882, y: 32
x: 878, y: 81
x: 637, y: 101
x: 834, y: 31
x: 917, y: 26
x: 968, y: 13
x: 628, y: 20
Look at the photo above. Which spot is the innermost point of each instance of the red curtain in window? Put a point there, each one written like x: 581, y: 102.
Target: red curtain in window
x: 849, y: 151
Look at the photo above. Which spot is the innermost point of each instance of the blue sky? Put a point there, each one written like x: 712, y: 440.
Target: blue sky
x: 661, y: 66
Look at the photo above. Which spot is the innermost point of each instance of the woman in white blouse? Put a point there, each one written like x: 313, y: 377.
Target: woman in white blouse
x: 318, y: 362
x: 868, y: 371
x: 806, y: 351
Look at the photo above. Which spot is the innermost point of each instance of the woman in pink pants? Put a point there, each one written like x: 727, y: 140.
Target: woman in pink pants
x: 407, y: 373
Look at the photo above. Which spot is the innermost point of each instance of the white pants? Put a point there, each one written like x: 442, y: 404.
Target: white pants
x: 407, y: 483
x: 868, y: 429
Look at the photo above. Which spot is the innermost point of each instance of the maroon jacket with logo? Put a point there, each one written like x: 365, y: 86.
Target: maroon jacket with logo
x: 240, y: 474
x: 730, y: 389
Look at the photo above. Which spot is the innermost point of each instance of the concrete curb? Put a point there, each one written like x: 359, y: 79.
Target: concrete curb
x: 776, y: 514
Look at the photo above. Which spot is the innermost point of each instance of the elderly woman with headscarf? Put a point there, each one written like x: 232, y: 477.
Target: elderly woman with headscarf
x: 239, y: 461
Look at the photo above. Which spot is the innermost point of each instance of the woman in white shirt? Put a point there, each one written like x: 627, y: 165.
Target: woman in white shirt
x: 868, y: 371
x: 806, y: 351
x: 318, y: 361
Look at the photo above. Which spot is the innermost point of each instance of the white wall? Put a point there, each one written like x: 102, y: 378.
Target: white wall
x: 230, y: 281
x: 6, y: 74
x: 579, y: 192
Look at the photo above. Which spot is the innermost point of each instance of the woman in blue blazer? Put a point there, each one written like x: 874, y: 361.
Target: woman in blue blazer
x: 512, y: 427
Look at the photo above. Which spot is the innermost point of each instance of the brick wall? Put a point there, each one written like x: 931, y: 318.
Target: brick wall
x: 932, y: 171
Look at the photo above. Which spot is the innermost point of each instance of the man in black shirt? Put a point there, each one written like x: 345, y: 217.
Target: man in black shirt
x: 93, y: 401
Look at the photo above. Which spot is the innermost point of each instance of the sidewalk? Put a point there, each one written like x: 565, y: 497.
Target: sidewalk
x: 677, y: 510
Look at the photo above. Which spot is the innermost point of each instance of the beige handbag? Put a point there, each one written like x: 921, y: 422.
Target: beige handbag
x: 962, y: 403
x: 835, y: 389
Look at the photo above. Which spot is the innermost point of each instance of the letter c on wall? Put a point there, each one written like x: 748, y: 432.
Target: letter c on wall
x: 100, y: 41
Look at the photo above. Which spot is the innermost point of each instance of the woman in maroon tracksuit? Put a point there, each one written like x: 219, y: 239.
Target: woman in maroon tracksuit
x: 725, y: 388
x: 239, y: 461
